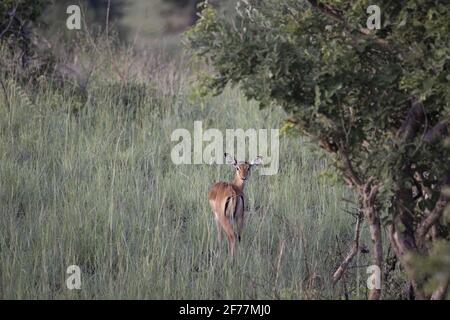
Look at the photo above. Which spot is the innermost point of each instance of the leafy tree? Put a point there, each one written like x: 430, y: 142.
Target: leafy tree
x: 378, y: 101
x: 16, y: 19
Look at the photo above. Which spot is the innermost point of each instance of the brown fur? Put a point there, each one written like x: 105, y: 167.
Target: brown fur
x: 227, y: 202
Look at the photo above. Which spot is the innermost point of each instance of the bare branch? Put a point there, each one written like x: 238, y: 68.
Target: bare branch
x: 349, y: 173
x: 369, y: 194
x: 12, y: 15
x: 431, y: 219
x: 353, y: 251
x: 5, y: 92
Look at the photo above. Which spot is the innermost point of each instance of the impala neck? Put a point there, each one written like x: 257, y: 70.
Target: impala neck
x: 238, y: 182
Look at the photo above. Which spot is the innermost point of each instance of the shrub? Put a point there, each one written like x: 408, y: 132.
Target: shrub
x: 16, y: 19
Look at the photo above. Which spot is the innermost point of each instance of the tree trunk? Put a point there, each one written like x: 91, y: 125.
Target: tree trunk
x: 377, y: 251
x: 440, y: 292
x: 368, y: 195
x: 403, y: 245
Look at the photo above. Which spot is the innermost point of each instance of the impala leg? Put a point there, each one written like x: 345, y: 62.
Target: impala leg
x: 240, y: 226
x: 219, y: 231
x: 239, y: 217
x: 231, y: 237
x: 231, y: 244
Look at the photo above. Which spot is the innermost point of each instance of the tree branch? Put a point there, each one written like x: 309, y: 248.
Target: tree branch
x: 431, y: 219
x: 338, y: 16
x: 412, y: 122
x: 12, y: 15
x: 337, y: 275
x: 439, y: 293
x: 401, y: 247
x: 369, y: 194
x: 349, y: 173
x: 440, y: 130
x: 5, y: 92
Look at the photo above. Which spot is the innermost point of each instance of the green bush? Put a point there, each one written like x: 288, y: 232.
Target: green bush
x: 16, y: 19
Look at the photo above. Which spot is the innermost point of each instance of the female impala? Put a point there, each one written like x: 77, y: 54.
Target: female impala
x: 227, y: 201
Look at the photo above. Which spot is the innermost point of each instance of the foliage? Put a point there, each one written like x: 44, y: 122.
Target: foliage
x: 378, y: 100
x: 435, y: 269
x: 16, y: 19
x: 25, y: 11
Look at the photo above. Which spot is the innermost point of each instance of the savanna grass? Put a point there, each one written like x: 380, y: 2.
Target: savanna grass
x: 95, y: 186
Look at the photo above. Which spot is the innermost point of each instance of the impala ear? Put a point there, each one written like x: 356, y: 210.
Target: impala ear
x: 229, y: 159
x: 257, y: 161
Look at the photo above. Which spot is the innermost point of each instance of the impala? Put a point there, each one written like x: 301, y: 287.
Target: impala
x: 227, y: 201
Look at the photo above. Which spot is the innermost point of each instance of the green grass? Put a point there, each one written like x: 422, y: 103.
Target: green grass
x: 97, y: 189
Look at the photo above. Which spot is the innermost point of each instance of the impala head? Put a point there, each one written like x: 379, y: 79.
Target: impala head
x: 243, y: 168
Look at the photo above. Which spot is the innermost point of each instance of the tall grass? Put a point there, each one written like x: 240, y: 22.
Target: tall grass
x: 95, y: 186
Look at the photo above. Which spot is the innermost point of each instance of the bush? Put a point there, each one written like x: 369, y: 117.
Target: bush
x: 16, y: 19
